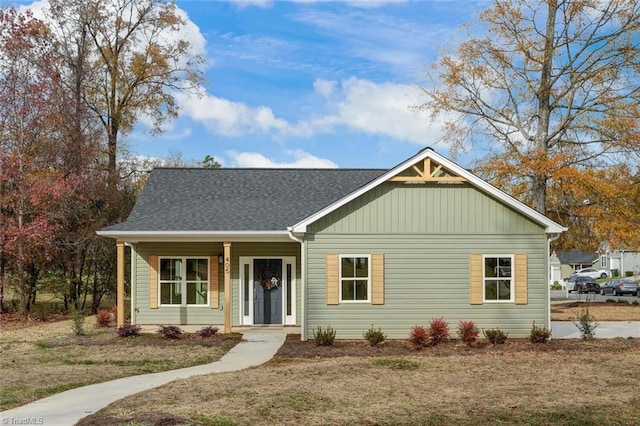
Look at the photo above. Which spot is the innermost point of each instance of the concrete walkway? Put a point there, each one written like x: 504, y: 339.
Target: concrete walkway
x: 604, y: 330
x: 67, y: 408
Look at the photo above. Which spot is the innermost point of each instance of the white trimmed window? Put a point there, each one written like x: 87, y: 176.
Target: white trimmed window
x: 355, y: 278
x: 184, y: 281
x: 498, y: 278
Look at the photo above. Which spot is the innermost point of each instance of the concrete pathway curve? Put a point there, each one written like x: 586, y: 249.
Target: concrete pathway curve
x: 67, y: 408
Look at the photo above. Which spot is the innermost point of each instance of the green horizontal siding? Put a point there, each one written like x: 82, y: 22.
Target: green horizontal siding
x: 426, y: 276
x: 396, y: 207
x: 196, y: 314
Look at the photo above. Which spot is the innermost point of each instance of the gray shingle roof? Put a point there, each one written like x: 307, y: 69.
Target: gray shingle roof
x: 238, y: 199
x: 577, y: 257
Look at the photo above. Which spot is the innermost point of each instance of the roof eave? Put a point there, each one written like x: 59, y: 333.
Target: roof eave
x: 196, y: 236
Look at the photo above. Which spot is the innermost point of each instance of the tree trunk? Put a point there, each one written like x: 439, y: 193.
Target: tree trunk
x: 540, y: 176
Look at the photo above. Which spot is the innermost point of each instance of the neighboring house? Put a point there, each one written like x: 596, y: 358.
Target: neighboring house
x: 620, y: 261
x: 346, y: 248
x: 572, y: 260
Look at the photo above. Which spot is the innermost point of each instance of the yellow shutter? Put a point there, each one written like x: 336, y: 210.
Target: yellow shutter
x: 475, y: 279
x: 520, y: 279
x: 377, y: 279
x: 333, y: 281
x: 213, y: 282
x: 153, y: 282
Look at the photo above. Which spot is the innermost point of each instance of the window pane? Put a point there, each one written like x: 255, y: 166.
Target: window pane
x: 504, y: 267
x: 362, y: 267
x: 348, y: 267
x: 348, y: 290
x: 197, y: 269
x: 504, y: 289
x: 197, y: 293
x: 170, y: 269
x: 490, y: 290
x: 490, y: 267
x: 170, y: 294
x: 361, y: 290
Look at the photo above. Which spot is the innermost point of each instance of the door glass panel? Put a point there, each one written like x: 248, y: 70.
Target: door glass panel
x: 288, y: 288
x: 245, y: 291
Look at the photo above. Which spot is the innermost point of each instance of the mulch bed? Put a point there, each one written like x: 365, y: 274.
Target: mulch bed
x: 294, y: 348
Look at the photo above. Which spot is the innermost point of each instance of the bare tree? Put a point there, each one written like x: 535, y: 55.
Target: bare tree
x: 550, y: 86
x: 130, y: 59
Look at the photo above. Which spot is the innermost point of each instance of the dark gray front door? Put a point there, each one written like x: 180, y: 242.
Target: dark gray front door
x: 267, y: 287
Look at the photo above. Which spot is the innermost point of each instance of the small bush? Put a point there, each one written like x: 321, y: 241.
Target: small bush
x: 128, y: 330
x: 324, y: 337
x: 170, y: 331
x: 628, y: 273
x: 623, y: 301
x: 635, y: 302
x: 495, y: 336
x: 586, y: 324
x: 539, y: 334
x: 374, y: 336
x: 207, y: 332
x: 468, y: 332
x: 104, y: 317
x: 438, y: 331
x: 77, y: 321
x: 556, y: 286
x: 418, y: 337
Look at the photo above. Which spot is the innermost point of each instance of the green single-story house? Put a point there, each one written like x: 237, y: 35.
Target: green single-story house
x: 346, y: 248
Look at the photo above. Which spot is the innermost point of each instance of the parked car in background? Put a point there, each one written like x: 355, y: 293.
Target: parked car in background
x: 592, y: 272
x: 585, y: 284
x: 619, y: 287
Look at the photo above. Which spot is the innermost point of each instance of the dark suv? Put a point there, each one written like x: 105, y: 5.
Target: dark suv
x: 584, y: 284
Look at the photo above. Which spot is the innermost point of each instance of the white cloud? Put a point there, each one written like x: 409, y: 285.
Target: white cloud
x: 382, y: 109
x: 300, y: 159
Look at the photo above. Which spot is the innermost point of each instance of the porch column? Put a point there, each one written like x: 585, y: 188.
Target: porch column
x: 120, y: 284
x: 227, y: 286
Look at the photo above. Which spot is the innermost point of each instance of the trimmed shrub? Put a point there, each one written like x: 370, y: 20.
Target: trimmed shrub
x: 77, y: 321
x: 468, y: 332
x: 374, y: 336
x: 495, y: 336
x: 556, y: 286
x: 418, y: 337
x: 539, y: 334
x: 104, y: 317
x: 586, y: 324
x: 170, y: 331
x: 628, y: 273
x: 324, y: 337
x: 438, y: 331
x: 207, y: 332
x: 128, y: 330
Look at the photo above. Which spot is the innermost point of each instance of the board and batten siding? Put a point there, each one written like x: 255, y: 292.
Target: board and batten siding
x: 205, y: 315
x: 426, y: 234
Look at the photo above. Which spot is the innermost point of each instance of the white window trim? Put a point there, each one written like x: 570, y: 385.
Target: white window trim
x: 484, y: 279
x: 183, y: 283
x: 340, y: 279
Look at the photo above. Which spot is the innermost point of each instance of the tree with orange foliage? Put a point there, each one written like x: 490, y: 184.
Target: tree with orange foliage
x: 551, y: 89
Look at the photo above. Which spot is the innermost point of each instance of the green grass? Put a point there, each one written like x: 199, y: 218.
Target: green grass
x: 396, y: 363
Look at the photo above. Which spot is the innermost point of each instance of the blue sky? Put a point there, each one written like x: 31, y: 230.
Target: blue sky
x: 309, y: 83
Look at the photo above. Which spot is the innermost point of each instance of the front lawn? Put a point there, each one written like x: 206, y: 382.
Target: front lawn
x: 565, y: 382
x: 41, y: 360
